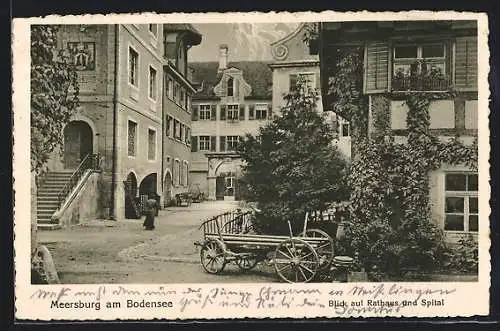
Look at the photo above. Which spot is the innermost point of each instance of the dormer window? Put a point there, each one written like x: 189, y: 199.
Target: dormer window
x: 230, y: 87
x: 420, y: 67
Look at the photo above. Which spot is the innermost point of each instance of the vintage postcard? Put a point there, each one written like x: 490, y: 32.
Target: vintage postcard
x: 251, y: 165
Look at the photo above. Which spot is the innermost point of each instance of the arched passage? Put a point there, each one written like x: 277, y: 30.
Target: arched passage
x: 148, y: 190
x: 167, y: 189
x: 78, y: 142
x: 131, y: 210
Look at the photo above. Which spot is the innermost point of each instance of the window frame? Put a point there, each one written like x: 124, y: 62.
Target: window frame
x: 228, y: 149
x: 233, y: 108
x: 202, y: 110
x: 230, y: 87
x: 312, y: 82
x: 136, y: 137
x: 154, y: 89
x: 466, y: 196
x: 170, y: 84
x: 155, y: 152
x: 136, y: 82
x: 207, y: 143
x: 260, y: 107
x: 444, y: 63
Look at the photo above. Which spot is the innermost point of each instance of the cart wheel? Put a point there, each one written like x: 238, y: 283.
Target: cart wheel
x: 326, y: 250
x: 246, y: 262
x: 212, y: 256
x: 296, y: 261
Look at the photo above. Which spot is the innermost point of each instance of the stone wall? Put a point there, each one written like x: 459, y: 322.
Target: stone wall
x: 85, y: 206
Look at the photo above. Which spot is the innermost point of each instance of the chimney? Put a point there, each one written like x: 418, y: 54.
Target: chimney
x: 223, y: 50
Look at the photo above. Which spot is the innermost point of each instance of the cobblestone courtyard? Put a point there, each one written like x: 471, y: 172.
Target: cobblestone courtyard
x: 122, y: 252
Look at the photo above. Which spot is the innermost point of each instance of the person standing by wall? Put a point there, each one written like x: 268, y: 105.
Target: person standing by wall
x: 151, y: 212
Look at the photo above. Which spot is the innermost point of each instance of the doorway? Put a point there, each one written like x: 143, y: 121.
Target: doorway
x: 78, y: 142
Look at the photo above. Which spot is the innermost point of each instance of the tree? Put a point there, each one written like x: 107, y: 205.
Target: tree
x: 54, y: 93
x: 292, y: 167
x: 54, y: 98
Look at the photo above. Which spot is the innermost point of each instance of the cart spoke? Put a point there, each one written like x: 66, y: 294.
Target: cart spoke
x: 290, y: 252
x: 306, y: 268
x: 287, y: 266
x: 284, y: 254
x: 305, y: 256
x: 302, y: 272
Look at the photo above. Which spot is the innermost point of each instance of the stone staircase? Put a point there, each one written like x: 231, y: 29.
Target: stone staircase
x: 47, y: 198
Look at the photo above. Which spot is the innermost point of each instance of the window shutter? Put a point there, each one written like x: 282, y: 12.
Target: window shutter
x: 213, y: 112
x: 293, y: 82
x: 213, y: 143
x: 242, y: 112
x: 466, y: 62
x: 251, y: 112
x: 194, y: 113
x: 317, y: 79
x: 194, y: 144
x: 222, y: 143
x: 377, y: 67
x: 269, y: 112
x: 222, y: 112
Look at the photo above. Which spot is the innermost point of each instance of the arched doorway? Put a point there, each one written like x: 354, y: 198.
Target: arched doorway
x: 131, y: 209
x: 167, y: 189
x: 148, y: 189
x: 78, y: 142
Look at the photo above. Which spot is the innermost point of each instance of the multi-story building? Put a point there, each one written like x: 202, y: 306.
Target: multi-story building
x: 396, y: 57
x: 177, y: 109
x: 293, y: 59
x: 121, y: 70
x: 233, y: 99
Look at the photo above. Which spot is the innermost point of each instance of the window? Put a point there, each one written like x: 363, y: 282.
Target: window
x: 133, y: 63
x: 232, y: 142
x: 232, y: 112
x: 152, y: 83
x: 344, y: 130
x: 205, y: 112
x: 188, y: 136
x: 177, y: 172
x: 261, y: 112
x: 151, y: 144
x: 306, y: 82
x: 176, y: 93
x: 153, y: 29
x: 461, y: 202
x: 170, y: 88
x: 420, y: 67
x: 229, y: 186
x: 132, y: 138
x: 230, y: 87
x: 177, y: 130
x: 204, y: 143
x: 183, y: 98
x: 185, y: 173
x: 188, y: 103
x: 168, y: 126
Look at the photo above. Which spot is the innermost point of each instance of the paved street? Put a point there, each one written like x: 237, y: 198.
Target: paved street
x: 122, y: 252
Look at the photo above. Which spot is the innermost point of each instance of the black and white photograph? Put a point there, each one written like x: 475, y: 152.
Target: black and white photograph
x: 277, y: 152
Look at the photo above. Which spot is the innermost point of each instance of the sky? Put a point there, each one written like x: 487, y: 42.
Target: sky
x: 246, y: 41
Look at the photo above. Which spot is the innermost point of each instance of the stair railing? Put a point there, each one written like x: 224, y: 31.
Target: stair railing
x: 89, y: 162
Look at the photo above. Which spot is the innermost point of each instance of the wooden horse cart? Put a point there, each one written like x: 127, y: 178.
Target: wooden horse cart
x: 230, y: 238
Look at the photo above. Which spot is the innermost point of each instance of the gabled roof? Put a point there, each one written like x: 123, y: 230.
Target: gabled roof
x: 257, y: 74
